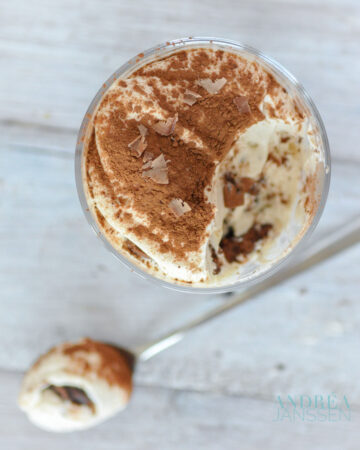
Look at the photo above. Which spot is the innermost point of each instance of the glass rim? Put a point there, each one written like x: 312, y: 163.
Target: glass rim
x: 160, y: 51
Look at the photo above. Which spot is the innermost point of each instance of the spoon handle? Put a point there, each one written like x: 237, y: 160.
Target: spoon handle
x: 345, y: 237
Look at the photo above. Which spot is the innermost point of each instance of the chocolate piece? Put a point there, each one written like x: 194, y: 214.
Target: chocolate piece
x: 276, y: 160
x: 245, y: 244
x: 285, y: 139
x: 179, y: 207
x: 216, y: 260
x: 242, y: 104
x: 157, y: 170
x: 166, y: 127
x: 148, y: 156
x: 191, y: 97
x: 247, y: 185
x: 143, y: 130
x: 233, y: 196
x: 234, y: 192
x: 213, y: 87
x: 138, y: 146
x: 73, y: 394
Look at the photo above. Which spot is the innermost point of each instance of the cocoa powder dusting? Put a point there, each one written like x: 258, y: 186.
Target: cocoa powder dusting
x: 214, y: 118
x: 113, y: 366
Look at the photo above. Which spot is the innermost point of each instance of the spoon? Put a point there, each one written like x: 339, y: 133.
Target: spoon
x: 74, y: 396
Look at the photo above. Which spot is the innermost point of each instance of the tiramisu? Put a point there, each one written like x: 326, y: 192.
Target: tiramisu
x: 196, y: 163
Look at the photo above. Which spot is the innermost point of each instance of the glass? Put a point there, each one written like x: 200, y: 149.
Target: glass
x: 263, y: 270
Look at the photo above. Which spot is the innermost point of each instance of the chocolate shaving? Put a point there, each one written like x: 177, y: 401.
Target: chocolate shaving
x: 157, y: 170
x: 179, y: 207
x: 242, y: 104
x: 137, y: 146
x: 148, y: 156
x: 166, y: 127
x: 233, y: 197
x: 245, y: 244
x: 143, y: 130
x: 213, y: 87
x: 191, y: 97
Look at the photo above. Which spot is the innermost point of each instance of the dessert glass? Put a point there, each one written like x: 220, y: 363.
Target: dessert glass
x: 293, y: 237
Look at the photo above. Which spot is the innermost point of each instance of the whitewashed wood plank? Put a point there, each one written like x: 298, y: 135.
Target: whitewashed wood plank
x: 58, y: 57
x: 57, y: 282
x: 159, y: 418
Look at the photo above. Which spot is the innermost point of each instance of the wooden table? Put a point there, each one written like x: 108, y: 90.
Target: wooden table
x: 219, y: 388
